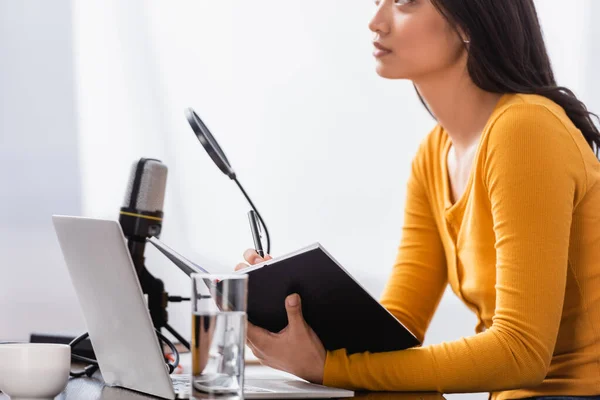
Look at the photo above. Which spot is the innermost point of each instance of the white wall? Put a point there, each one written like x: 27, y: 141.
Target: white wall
x: 319, y: 141
x: 39, y: 167
x: 289, y: 114
x: 572, y: 43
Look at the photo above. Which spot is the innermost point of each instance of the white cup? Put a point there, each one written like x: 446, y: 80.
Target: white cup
x: 34, y: 371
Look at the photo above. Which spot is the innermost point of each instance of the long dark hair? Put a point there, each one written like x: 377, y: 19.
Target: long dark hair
x: 507, y: 54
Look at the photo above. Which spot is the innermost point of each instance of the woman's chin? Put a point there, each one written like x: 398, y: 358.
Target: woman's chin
x: 385, y: 71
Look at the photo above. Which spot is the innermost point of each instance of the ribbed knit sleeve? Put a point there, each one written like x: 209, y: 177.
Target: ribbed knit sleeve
x: 418, y: 277
x: 531, y: 170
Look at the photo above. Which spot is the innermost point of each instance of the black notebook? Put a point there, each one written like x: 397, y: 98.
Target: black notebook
x: 340, y: 311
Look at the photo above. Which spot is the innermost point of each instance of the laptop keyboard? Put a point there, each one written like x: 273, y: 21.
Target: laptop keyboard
x: 181, y: 383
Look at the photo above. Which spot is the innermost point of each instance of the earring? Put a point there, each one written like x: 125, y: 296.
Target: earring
x: 466, y: 41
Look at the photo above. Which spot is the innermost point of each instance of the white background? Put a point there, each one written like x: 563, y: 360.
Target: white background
x: 320, y: 142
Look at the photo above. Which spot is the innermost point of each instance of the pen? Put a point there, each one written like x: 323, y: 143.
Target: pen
x: 255, y: 228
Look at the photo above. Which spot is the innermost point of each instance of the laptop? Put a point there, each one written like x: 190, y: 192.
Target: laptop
x: 119, y: 324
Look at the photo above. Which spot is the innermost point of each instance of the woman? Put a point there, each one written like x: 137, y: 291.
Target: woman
x: 503, y: 203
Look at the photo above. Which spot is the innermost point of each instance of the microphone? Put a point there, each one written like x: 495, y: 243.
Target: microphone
x: 141, y: 218
x: 141, y: 214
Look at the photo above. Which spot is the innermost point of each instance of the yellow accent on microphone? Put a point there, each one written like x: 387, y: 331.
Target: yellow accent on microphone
x: 141, y: 216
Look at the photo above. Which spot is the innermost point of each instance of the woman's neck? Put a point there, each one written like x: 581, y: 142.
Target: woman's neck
x: 460, y: 107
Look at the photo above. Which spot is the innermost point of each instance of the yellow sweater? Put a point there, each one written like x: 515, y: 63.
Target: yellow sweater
x: 521, y: 248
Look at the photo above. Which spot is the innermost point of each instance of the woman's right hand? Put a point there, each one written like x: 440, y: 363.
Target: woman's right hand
x: 296, y: 349
x: 252, y: 257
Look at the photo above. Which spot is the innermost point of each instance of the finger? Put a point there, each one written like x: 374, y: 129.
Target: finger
x: 259, y: 354
x: 255, y: 349
x: 293, y: 307
x: 262, y: 357
x: 259, y: 337
x: 241, y: 266
x: 268, y: 257
x: 252, y: 257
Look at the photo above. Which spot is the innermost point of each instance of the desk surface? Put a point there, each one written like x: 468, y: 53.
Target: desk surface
x: 95, y: 389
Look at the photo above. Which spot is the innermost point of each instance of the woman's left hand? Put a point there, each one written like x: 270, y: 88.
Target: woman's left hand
x: 296, y: 349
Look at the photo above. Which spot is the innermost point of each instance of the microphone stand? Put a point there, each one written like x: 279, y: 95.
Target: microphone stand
x: 154, y: 288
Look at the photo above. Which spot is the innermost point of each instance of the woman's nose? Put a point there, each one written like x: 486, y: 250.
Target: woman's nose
x: 378, y: 23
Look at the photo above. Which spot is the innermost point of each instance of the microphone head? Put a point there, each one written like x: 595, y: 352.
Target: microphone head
x: 146, y: 186
x: 142, y: 211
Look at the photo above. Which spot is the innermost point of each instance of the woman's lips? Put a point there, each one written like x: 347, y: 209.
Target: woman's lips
x: 380, y: 50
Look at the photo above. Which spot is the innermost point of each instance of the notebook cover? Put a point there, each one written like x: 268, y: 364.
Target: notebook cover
x: 340, y: 311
